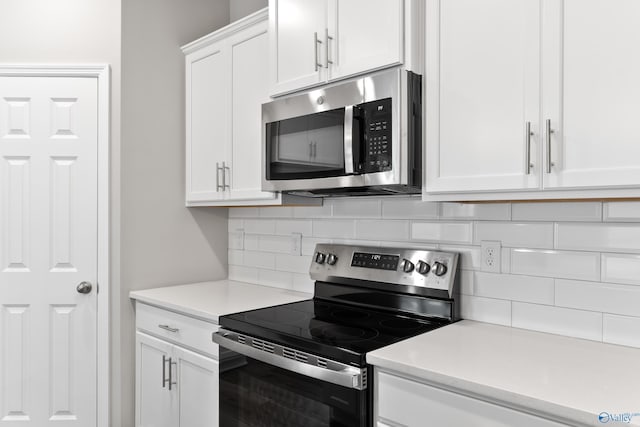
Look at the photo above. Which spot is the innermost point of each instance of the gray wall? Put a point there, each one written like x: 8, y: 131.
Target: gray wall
x: 162, y: 242
x: 241, y: 8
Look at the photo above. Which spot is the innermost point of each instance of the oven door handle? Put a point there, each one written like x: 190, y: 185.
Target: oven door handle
x: 334, y: 372
x: 348, y: 140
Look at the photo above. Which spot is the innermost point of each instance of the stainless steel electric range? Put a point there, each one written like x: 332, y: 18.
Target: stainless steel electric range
x: 304, y: 363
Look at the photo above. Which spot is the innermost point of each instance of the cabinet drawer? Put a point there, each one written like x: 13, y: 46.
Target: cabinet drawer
x: 408, y: 403
x: 177, y: 328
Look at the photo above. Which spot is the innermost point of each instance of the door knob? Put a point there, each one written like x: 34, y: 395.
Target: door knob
x: 84, y: 287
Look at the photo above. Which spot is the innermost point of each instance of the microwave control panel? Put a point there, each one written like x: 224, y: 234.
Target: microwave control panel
x: 377, y: 131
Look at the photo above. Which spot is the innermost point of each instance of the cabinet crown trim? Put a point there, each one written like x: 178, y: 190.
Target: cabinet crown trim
x: 224, y: 32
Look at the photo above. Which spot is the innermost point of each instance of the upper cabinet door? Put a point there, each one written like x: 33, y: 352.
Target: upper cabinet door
x: 592, y: 92
x: 364, y: 35
x: 297, y: 44
x: 482, y: 94
x: 249, y: 90
x: 207, y: 122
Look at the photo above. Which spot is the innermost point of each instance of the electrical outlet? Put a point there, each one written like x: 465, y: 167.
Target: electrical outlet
x: 491, y: 252
x: 296, y: 244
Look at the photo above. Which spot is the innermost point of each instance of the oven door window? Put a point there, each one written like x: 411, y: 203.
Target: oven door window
x: 309, y: 146
x: 253, y: 393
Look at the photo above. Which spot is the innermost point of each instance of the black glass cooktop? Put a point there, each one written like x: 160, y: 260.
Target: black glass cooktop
x: 337, y: 331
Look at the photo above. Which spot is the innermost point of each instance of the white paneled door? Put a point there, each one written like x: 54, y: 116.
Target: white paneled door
x: 48, y: 247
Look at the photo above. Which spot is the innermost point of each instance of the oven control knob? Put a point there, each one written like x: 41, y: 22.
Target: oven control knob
x: 407, y: 266
x: 423, y: 267
x: 320, y: 257
x: 440, y: 269
x: 332, y: 259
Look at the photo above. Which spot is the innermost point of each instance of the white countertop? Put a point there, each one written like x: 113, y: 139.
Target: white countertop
x: 566, y: 378
x: 209, y: 300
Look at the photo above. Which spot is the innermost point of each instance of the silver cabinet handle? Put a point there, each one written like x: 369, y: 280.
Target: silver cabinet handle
x: 527, y: 138
x: 168, y: 328
x: 549, y: 131
x: 310, y: 149
x: 315, y: 148
x: 316, y: 42
x: 171, y: 381
x: 326, y: 47
x: 225, y: 168
x: 218, y: 186
x: 164, y: 370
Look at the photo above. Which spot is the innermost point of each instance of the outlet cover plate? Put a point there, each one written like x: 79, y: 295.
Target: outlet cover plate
x: 491, y: 253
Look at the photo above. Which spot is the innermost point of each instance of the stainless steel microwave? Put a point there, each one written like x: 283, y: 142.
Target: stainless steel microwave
x: 360, y: 137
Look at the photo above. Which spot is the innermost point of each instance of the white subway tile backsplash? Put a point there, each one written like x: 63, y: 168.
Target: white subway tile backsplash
x: 243, y: 274
x: 470, y: 257
x: 621, y: 268
x: 309, y: 244
x: 621, y: 330
x: 276, y: 212
x: 259, y: 259
x: 357, y: 208
x: 235, y: 257
x: 235, y: 224
x: 513, y: 287
x: 444, y: 232
x: 259, y: 226
x: 293, y: 263
x: 505, y: 261
x: 251, y: 242
x: 485, y: 310
x: 466, y: 282
x: 598, y: 237
x: 561, y: 211
x: 622, y: 211
x: 413, y: 208
x: 563, y: 264
x: 382, y: 229
x: 305, y: 212
x: 596, y: 296
x: 277, y: 279
x: 553, y: 277
x: 515, y: 235
x: 294, y: 226
x: 489, y: 211
x: 236, y: 240
x: 279, y: 244
x: 557, y: 320
x: 334, y: 228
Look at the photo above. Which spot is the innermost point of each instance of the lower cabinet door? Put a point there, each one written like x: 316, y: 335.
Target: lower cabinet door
x: 156, y: 405
x: 197, y: 387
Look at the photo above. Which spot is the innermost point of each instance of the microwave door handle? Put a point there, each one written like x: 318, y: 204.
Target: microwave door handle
x: 348, y: 140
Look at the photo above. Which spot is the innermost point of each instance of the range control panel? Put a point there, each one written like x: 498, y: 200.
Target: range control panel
x: 401, y: 266
x: 378, y: 261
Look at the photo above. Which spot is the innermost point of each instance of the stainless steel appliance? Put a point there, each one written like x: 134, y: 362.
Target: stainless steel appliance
x: 359, y: 137
x: 304, y: 364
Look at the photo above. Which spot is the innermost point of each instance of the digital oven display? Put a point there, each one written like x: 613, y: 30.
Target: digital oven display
x: 377, y: 261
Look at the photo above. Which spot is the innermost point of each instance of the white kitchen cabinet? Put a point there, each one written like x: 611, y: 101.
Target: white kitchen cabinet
x: 225, y: 88
x: 408, y: 403
x: 176, y: 370
x: 315, y: 41
x: 591, y: 92
x: 527, y: 99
